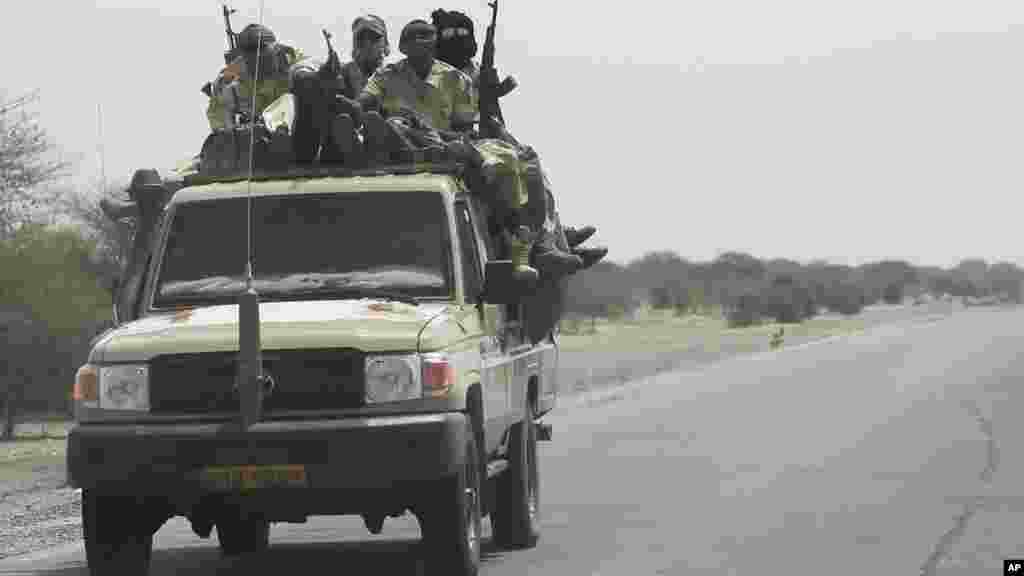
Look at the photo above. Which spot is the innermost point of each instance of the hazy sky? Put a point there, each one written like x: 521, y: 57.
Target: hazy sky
x: 849, y: 131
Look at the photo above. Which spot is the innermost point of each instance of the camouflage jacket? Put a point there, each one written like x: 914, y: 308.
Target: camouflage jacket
x: 268, y: 89
x: 444, y: 98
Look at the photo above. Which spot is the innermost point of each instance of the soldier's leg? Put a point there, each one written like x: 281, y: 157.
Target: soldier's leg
x: 384, y: 138
x: 343, y: 145
x: 549, y: 258
x: 311, y: 114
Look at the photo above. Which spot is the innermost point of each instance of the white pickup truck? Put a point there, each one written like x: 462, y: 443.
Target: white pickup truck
x: 394, y: 373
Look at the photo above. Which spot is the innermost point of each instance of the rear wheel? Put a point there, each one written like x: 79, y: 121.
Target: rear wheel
x: 450, y: 519
x: 243, y: 535
x: 113, y: 543
x: 516, y: 517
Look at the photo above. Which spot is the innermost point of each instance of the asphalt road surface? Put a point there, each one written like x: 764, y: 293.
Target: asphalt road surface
x: 896, y: 451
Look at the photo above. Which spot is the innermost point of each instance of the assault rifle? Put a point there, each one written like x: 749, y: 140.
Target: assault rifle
x: 232, y: 52
x: 492, y: 123
x: 333, y: 62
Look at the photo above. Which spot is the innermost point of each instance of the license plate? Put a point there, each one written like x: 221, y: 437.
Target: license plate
x: 242, y: 478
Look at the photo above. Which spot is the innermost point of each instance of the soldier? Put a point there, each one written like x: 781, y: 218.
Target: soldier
x: 428, y: 103
x: 456, y: 45
x: 369, y: 48
x: 147, y: 196
x: 340, y: 85
x: 233, y: 89
x: 418, y: 93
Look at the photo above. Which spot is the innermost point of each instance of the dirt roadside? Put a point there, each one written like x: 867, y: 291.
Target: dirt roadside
x: 37, y: 511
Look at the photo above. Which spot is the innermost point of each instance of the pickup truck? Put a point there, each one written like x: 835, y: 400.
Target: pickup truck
x: 394, y: 372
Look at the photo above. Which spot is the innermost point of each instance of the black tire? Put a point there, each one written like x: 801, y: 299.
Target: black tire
x: 450, y: 519
x: 113, y: 544
x: 243, y: 535
x: 516, y: 517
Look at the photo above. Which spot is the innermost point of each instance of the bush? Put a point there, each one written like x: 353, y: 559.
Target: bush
x: 788, y: 301
x: 846, y: 298
x: 745, y: 312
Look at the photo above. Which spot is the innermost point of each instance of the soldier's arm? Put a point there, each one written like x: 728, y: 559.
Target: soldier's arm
x: 215, y: 109
x: 372, y: 96
x: 215, y: 113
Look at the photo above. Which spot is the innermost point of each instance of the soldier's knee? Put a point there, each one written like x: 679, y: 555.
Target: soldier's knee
x: 303, y: 81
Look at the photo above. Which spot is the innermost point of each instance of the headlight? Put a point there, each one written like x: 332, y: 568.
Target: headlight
x: 124, y: 387
x: 392, y: 378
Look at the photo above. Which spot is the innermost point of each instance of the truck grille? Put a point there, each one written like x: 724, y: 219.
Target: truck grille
x: 204, y: 383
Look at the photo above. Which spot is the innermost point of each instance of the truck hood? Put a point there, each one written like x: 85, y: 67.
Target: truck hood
x: 370, y: 325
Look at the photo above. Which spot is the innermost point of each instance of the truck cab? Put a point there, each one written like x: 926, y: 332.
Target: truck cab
x: 395, y: 371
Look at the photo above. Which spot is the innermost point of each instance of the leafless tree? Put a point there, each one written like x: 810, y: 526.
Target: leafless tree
x: 26, y: 163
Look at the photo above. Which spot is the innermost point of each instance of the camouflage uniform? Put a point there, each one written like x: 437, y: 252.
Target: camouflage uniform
x: 267, y: 91
x: 270, y: 87
x: 444, y: 98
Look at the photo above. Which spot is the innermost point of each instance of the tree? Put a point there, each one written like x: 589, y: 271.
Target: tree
x: 112, y: 239
x: 50, y: 303
x: 25, y: 165
x: 893, y: 293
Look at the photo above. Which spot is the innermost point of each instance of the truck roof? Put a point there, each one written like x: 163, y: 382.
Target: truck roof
x: 320, y: 180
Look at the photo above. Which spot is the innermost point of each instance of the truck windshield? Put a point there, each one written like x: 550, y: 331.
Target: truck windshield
x: 391, y: 245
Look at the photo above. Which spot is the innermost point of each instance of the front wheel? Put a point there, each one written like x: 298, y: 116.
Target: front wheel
x: 114, y: 544
x: 450, y: 519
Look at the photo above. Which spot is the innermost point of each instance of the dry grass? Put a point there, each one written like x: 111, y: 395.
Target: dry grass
x: 660, y: 332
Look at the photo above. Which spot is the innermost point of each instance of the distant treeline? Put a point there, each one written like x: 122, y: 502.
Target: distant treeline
x: 748, y: 289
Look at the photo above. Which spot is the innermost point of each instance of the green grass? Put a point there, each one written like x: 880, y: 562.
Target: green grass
x: 28, y: 452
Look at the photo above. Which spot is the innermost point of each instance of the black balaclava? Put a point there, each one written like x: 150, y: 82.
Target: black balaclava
x: 456, y: 47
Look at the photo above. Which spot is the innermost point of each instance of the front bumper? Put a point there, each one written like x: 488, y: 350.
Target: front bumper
x: 344, y: 453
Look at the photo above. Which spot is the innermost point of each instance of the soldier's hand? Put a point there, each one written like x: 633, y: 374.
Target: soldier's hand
x: 232, y: 71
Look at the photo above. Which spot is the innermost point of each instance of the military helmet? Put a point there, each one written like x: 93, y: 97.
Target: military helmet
x: 253, y: 36
x: 369, y: 22
x: 419, y: 32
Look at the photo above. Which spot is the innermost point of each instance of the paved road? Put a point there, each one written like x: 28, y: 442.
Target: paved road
x: 897, y: 451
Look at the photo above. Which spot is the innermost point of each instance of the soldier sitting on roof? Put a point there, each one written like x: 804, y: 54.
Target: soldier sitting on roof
x: 456, y: 45
x: 232, y: 92
x: 421, y: 102
x: 332, y: 88
x: 147, y: 196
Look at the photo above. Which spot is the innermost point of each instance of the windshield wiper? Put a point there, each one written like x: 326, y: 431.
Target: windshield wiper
x: 344, y: 291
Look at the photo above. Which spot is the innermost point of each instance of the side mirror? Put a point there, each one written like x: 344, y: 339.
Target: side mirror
x: 501, y: 286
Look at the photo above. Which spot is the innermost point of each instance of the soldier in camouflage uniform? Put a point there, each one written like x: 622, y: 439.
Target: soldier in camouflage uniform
x: 233, y: 89
x: 456, y: 45
x: 422, y: 102
x: 369, y: 48
x: 328, y: 90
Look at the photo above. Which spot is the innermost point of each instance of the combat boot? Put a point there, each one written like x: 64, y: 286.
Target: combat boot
x: 551, y: 261
x: 519, y: 252
x: 590, y: 256
x: 576, y: 236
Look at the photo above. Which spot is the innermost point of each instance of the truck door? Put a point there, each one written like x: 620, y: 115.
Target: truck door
x: 496, y: 370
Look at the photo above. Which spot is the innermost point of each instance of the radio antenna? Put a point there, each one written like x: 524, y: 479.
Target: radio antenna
x: 249, y: 264
x: 250, y: 365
